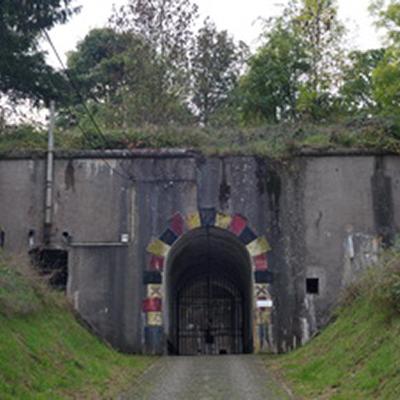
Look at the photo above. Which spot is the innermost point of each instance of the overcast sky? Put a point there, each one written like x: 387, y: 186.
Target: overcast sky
x: 238, y: 17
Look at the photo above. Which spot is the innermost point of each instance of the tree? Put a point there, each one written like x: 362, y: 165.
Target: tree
x: 316, y: 21
x: 167, y: 27
x: 23, y: 69
x: 298, y: 68
x: 386, y: 76
x: 322, y: 33
x: 101, y: 67
x: 357, y: 91
x: 216, y: 62
x: 387, y: 16
x: 269, y: 90
x: 115, y: 72
x: 98, y: 64
x: 386, y: 83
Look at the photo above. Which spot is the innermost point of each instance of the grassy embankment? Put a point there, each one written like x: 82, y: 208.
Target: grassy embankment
x: 45, y: 353
x: 358, y: 355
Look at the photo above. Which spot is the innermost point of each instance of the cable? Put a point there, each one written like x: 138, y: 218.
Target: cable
x: 88, y: 112
x: 125, y: 174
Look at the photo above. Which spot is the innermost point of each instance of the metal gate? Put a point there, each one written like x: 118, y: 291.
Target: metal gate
x: 210, y: 317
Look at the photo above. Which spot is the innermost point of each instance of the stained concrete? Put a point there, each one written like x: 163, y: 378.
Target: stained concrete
x: 325, y: 216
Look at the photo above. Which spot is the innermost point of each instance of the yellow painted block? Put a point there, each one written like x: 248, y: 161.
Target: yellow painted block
x: 193, y: 220
x: 223, y: 221
x: 154, y: 319
x: 154, y: 291
x: 258, y: 246
x: 158, y: 248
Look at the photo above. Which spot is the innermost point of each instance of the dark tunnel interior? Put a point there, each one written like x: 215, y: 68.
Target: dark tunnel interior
x: 209, y: 296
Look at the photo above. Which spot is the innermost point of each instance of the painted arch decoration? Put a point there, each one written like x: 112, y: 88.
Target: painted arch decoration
x: 257, y: 246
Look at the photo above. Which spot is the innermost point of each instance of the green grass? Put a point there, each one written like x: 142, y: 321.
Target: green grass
x: 358, y: 355
x: 45, y: 353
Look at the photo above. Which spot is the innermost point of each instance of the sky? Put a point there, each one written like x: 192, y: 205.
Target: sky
x: 240, y: 18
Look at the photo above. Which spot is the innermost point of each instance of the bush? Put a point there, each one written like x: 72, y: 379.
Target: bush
x: 380, y: 284
x: 22, y: 137
x: 387, y: 289
x: 22, y: 290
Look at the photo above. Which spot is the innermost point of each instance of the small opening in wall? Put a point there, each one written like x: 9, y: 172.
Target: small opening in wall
x: 2, y: 238
x: 312, y: 285
x: 52, y: 264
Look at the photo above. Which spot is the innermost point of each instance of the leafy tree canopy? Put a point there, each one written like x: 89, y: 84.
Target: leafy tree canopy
x: 357, y: 91
x: 216, y: 62
x: 23, y: 69
x: 298, y: 68
x: 118, y: 76
x: 270, y: 89
x: 386, y: 76
x: 161, y: 81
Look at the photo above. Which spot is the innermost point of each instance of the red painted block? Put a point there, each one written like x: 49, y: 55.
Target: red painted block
x: 261, y: 262
x: 238, y: 224
x: 152, y: 304
x: 177, y: 224
x: 156, y: 263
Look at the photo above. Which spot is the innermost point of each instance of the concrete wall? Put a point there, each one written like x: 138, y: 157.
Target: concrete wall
x: 325, y: 217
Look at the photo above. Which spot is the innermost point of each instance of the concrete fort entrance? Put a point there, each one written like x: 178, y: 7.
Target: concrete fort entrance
x: 173, y: 251
x: 207, y: 274
x: 208, y: 286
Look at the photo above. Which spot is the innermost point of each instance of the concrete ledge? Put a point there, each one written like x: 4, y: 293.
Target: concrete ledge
x: 342, y: 152
x: 104, y: 154
x: 98, y: 244
x: 181, y: 153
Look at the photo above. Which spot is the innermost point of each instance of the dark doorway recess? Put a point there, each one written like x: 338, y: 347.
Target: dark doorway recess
x: 53, y: 264
x: 209, y: 294
x: 312, y: 285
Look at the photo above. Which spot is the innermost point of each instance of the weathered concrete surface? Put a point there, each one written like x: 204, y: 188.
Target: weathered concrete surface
x: 207, y: 378
x: 21, y: 201
x: 325, y: 217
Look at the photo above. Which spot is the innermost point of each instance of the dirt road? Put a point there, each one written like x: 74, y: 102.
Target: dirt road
x: 241, y: 377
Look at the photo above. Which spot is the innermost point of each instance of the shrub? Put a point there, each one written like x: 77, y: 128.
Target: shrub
x: 380, y: 284
x: 22, y: 290
x: 387, y: 288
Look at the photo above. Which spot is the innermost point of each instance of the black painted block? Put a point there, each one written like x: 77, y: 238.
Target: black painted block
x: 207, y: 216
x: 263, y: 277
x: 152, y: 277
x: 169, y: 237
x: 247, y: 235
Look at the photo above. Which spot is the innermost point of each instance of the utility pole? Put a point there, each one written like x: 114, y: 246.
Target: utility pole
x: 48, y: 211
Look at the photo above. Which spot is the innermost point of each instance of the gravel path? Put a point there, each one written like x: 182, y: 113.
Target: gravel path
x: 241, y: 377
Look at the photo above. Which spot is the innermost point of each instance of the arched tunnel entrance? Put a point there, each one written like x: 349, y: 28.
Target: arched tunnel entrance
x: 208, y: 292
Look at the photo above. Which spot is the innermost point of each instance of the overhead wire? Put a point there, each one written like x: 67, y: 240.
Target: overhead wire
x: 125, y: 174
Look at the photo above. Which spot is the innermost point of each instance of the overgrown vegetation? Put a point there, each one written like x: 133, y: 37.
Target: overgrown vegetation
x: 45, y: 353
x: 277, y: 141
x: 358, y: 355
